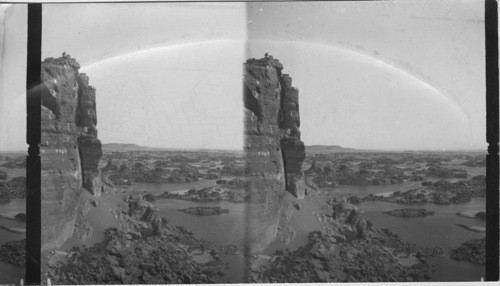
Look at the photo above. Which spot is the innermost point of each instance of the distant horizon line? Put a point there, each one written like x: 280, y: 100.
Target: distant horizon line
x: 314, y: 145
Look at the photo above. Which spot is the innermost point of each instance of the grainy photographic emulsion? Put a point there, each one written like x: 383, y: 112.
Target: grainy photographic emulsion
x: 247, y: 142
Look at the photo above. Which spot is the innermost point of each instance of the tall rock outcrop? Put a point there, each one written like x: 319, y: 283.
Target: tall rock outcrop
x: 273, y: 151
x: 69, y: 149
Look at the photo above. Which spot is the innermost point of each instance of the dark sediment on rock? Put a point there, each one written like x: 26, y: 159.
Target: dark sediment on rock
x: 202, y: 211
x: 473, y: 251
x: 274, y: 152
x: 14, y: 252
x: 70, y: 150
x: 410, y: 213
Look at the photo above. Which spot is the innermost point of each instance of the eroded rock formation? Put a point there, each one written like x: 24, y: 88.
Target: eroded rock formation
x: 70, y: 150
x: 274, y: 152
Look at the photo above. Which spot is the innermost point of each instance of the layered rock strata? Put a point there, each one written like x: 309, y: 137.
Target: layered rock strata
x: 70, y: 150
x: 273, y: 151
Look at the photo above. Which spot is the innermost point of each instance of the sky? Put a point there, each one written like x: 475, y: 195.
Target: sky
x: 371, y: 75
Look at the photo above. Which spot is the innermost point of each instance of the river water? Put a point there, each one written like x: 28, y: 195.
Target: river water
x: 440, y: 229
x: 11, y: 273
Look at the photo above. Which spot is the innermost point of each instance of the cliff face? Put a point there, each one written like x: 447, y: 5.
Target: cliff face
x: 273, y: 151
x: 88, y: 144
x: 70, y: 150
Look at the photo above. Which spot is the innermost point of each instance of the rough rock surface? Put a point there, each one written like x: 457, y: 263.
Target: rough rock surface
x: 273, y: 151
x: 348, y: 249
x: 70, y: 150
x: 471, y: 251
x: 144, y: 249
x: 14, y: 252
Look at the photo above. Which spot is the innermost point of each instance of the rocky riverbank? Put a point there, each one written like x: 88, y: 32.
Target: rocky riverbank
x: 473, y: 251
x: 143, y: 249
x: 349, y: 249
x: 410, y: 213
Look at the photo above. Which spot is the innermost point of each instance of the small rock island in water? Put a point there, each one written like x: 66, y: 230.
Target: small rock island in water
x: 410, y: 213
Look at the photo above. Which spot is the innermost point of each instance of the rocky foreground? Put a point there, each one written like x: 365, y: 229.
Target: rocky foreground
x: 473, y: 251
x: 14, y: 252
x: 144, y: 249
x: 349, y: 249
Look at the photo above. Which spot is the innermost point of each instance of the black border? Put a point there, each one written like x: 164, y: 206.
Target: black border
x: 33, y: 167
x: 492, y: 129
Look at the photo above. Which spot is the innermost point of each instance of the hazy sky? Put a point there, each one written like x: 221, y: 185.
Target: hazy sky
x: 13, y: 77
x: 381, y: 74
x: 377, y: 75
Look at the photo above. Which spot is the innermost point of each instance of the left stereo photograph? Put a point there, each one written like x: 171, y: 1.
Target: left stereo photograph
x: 13, y: 147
